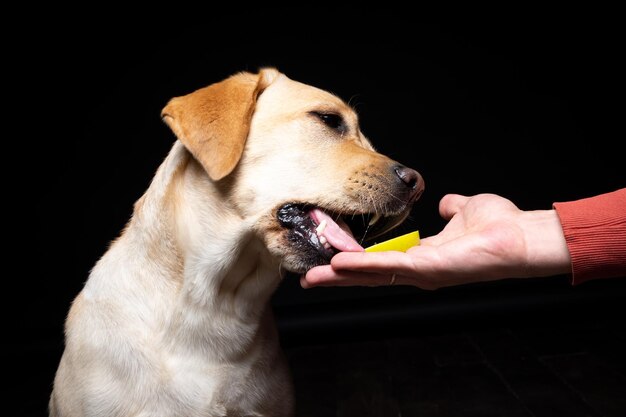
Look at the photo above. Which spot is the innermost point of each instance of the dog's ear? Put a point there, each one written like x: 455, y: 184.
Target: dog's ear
x: 213, y: 122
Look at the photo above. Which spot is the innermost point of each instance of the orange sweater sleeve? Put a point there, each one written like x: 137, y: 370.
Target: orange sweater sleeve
x: 595, y: 233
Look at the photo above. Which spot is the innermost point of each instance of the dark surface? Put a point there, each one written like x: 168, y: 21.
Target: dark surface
x: 549, y: 369
x: 526, y: 105
x: 512, y: 348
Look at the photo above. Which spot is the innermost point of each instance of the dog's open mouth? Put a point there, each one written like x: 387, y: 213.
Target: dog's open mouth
x: 329, y: 233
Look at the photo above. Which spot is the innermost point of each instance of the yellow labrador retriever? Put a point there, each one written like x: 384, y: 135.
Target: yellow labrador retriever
x: 174, y: 319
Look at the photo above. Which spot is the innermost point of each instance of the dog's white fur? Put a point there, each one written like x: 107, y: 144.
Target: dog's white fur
x: 174, y: 319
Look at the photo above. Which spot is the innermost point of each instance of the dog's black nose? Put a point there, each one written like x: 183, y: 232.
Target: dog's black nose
x: 412, y: 180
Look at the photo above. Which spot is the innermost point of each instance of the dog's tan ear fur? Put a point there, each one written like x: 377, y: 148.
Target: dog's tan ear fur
x: 213, y: 122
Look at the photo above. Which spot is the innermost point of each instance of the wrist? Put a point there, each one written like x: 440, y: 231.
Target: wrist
x: 546, y: 248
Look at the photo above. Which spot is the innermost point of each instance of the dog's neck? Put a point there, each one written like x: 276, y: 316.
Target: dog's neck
x: 225, y: 276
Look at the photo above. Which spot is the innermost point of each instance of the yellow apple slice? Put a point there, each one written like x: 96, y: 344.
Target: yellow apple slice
x: 400, y: 243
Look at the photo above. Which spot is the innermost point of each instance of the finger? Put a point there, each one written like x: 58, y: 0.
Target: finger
x: 304, y: 283
x: 451, y: 204
x: 372, y: 262
x: 313, y: 275
x: 327, y: 277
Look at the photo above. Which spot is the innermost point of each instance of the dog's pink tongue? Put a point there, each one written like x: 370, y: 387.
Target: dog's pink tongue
x: 339, y: 236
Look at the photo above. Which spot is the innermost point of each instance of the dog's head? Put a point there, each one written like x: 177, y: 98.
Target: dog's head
x: 292, y: 158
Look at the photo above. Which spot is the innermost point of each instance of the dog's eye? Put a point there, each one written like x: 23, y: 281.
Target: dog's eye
x: 332, y: 120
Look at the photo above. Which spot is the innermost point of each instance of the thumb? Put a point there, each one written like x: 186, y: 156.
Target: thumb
x: 451, y: 204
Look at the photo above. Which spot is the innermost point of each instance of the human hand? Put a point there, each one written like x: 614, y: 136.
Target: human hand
x: 487, y: 238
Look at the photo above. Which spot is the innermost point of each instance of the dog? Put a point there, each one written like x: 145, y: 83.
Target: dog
x: 175, y: 318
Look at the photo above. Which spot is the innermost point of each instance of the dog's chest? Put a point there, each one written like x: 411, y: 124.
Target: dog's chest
x: 203, y: 387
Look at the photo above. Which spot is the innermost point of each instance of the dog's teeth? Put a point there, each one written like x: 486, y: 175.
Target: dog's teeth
x: 374, y: 219
x: 323, y: 240
x: 320, y: 228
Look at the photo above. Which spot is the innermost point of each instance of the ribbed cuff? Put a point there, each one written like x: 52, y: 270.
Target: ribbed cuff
x: 595, y: 233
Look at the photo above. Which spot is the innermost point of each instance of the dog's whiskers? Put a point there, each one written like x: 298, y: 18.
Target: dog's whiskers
x: 367, y: 228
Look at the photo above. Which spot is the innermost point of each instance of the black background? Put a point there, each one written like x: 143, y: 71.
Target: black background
x: 525, y: 104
